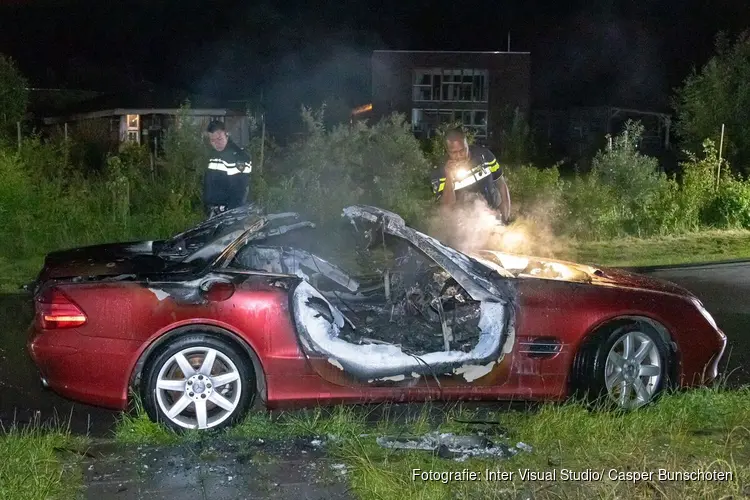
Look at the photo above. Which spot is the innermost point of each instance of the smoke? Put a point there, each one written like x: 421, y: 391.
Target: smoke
x: 473, y: 226
x: 599, y: 58
x: 329, y: 70
x: 333, y: 72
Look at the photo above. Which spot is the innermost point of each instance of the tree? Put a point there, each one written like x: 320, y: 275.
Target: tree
x: 718, y: 94
x: 14, y: 93
x: 516, y: 139
x: 632, y: 178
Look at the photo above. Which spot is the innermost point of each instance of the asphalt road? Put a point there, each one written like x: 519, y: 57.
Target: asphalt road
x: 725, y: 291
x: 723, y: 288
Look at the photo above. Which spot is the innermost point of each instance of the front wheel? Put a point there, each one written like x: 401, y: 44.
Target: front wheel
x: 198, y: 382
x: 630, y: 367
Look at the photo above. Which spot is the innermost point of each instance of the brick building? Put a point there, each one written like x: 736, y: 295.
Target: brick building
x: 480, y: 89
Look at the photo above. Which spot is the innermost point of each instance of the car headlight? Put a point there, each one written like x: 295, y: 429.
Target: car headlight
x: 699, y: 305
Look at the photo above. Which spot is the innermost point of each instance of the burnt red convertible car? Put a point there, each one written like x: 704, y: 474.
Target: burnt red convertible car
x: 235, y: 310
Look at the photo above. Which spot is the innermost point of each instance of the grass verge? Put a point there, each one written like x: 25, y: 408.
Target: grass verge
x: 708, y: 246
x: 136, y: 428
x: 700, y: 430
x: 40, y: 463
x: 17, y: 272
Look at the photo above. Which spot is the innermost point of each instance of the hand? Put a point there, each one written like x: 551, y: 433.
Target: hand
x: 509, y: 220
x: 451, y: 166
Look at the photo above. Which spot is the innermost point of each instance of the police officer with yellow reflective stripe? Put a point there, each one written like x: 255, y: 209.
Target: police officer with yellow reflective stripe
x: 471, y: 170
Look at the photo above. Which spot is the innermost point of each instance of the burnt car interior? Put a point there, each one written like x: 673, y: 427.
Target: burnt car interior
x: 396, y: 295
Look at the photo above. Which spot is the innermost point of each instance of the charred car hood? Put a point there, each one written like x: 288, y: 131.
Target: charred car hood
x: 527, y: 267
x: 627, y: 279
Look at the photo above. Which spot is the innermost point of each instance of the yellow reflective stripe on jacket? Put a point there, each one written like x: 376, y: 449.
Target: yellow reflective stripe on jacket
x: 441, y: 186
x: 493, y: 165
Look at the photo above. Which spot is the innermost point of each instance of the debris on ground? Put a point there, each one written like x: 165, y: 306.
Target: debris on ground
x: 215, y: 468
x: 448, y: 445
x: 340, y: 468
x: 525, y: 447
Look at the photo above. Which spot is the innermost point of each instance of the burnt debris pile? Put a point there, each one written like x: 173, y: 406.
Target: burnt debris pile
x: 412, y: 303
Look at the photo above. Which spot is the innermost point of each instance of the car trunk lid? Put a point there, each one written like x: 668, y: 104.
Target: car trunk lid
x: 195, y: 249
x: 102, y: 260
x: 198, y: 245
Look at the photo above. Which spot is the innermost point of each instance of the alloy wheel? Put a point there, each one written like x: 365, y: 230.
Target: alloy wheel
x: 633, y: 370
x: 198, y: 388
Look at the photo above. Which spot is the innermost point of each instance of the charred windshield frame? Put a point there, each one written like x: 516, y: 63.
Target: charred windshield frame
x: 188, y: 242
x: 226, y: 257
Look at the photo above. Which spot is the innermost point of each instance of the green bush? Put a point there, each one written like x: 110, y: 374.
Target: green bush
x: 707, y: 202
x: 626, y: 194
x: 633, y: 180
x: 327, y: 170
x: 47, y: 202
x: 531, y: 187
x: 730, y: 207
x: 591, y: 209
x: 698, y: 186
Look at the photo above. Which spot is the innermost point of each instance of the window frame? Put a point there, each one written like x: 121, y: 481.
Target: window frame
x: 418, y: 120
x: 450, y: 85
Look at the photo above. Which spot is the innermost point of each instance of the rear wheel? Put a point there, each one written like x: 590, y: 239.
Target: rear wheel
x: 198, y: 382
x: 628, y: 368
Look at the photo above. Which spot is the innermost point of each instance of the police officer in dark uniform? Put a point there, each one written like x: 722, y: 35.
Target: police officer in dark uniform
x: 471, y: 171
x: 227, y: 178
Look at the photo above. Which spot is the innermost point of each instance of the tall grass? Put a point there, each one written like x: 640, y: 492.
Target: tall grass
x: 48, y: 202
x: 39, y: 462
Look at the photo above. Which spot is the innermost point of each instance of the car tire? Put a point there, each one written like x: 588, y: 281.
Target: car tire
x: 625, y: 368
x: 208, y: 397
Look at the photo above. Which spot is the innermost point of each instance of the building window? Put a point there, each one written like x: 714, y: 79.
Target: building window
x: 451, y: 85
x: 426, y: 121
x: 134, y: 122
x: 133, y: 131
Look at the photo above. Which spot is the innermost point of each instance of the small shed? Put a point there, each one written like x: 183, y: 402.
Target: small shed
x: 144, y: 115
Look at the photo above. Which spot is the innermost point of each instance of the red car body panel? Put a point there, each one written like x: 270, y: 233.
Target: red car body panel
x: 95, y: 363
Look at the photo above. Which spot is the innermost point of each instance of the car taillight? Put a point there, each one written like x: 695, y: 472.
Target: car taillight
x: 56, y: 310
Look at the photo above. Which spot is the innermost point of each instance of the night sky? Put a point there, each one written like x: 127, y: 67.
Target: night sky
x: 623, y: 53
